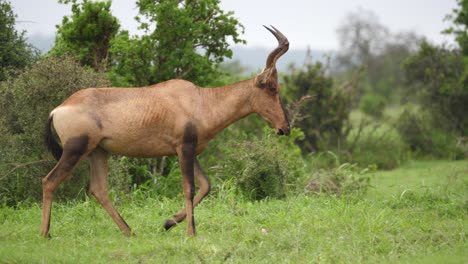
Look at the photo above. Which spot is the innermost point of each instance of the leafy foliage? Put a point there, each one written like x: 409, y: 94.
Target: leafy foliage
x: 459, y: 18
x: 25, y: 102
x: 87, y: 33
x: 376, y: 144
x: 325, y: 116
x: 15, y: 52
x: 267, y: 166
x: 373, y: 105
x: 416, y: 130
x: 436, y: 74
x: 184, y: 39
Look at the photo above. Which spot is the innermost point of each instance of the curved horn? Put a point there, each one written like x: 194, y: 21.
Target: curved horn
x: 283, y: 46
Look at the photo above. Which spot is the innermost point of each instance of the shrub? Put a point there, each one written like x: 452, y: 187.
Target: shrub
x: 25, y: 102
x: 268, y: 166
x: 414, y: 130
x: 417, y: 131
x: 324, y: 116
x: 372, y: 105
x: 437, y: 74
x: 375, y: 144
x: 139, y: 179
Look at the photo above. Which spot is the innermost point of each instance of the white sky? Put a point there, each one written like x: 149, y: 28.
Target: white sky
x: 310, y: 23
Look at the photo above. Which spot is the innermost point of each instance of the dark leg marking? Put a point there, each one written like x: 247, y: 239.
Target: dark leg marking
x: 123, y: 221
x: 73, y: 150
x: 188, y: 151
x: 205, y: 186
x: 190, y: 134
x: 187, y: 164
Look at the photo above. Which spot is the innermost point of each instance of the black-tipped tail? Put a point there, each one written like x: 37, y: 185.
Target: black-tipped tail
x: 53, y: 146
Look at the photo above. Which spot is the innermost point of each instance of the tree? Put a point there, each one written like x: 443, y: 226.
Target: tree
x: 325, y: 107
x: 459, y: 18
x: 360, y: 36
x: 435, y: 74
x: 365, y: 42
x: 184, y: 39
x: 15, y: 52
x: 87, y: 33
x: 440, y: 76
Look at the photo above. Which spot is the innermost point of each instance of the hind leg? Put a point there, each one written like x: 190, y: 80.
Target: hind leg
x: 98, y: 187
x: 73, y: 151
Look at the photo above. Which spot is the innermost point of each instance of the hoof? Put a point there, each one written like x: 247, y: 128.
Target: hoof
x: 45, y: 235
x: 130, y: 234
x: 169, y: 223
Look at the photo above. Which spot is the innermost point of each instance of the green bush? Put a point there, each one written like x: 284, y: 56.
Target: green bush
x: 386, y: 152
x: 377, y: 144
x: 324, y: 115
x: 372, y: 105
x: 135, y: 178
x: 414, y: 129
x: 423, y: 139
x: 25, y: 103
x: 437, y: 74
x: 267, y: 166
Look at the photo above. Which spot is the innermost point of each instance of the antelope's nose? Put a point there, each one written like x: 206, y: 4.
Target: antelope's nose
x: 283, y: 131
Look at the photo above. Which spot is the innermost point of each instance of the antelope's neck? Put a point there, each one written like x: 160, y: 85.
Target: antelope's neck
x: 226, y: 105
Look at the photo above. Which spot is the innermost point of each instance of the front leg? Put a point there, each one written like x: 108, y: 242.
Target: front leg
x: 186, y: 155
x: 204, y: 184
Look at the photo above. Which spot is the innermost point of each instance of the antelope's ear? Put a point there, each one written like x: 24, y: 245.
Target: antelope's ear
x: 268, y: 80
x: 262, y: 78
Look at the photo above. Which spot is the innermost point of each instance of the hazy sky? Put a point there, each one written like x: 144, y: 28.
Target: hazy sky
x: 305, y: 22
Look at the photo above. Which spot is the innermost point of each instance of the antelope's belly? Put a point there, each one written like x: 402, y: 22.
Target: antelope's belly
x: 150, y: 147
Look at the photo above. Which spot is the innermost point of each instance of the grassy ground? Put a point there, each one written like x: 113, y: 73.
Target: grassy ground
x: 415, y: 214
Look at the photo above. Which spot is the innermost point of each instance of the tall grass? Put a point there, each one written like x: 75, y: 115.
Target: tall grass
x: 416, y: 214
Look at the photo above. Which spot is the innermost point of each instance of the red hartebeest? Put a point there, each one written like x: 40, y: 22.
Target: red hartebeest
x: 174, y: 117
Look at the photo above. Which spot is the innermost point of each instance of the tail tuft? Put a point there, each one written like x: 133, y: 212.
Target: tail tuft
x: 53, y: 146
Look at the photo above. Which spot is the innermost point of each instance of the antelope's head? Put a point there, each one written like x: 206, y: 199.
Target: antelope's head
x: 268, y: 101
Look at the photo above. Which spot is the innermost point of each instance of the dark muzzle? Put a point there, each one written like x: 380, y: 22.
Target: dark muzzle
x: 285, y: 131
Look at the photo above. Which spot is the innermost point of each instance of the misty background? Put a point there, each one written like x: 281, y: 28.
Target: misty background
x: 309, y: 25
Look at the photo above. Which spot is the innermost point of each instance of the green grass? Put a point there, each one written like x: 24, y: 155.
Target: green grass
x: 415, y: 214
